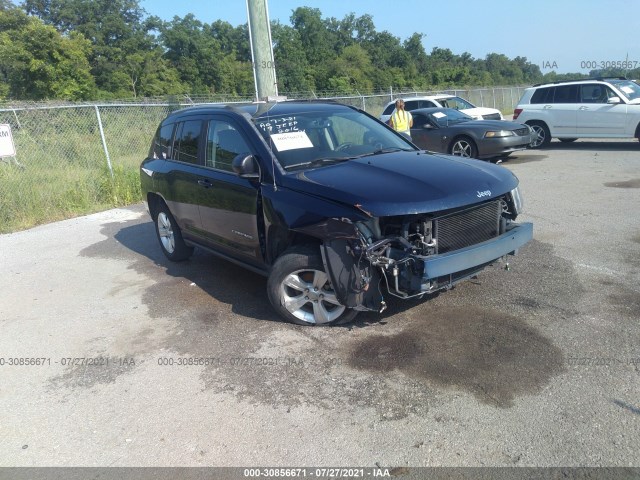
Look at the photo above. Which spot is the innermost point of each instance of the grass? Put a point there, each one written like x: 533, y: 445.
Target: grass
x: 62, y: 171
x: 41, y: 196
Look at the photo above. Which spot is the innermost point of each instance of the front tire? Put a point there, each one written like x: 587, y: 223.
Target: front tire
x: 170, y: 236
x: 300, y: 290
x: 543, y: 135
x: 463, y: 147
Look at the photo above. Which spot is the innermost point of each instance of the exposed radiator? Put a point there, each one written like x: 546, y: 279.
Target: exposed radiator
x: 468, y: 227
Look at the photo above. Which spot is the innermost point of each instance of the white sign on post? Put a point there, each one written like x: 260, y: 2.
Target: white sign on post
x: 7, y: 148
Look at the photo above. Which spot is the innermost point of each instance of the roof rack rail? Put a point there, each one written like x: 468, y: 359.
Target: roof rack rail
x: 602, y: 79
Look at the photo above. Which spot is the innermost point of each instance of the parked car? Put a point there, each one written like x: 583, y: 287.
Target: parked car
x: 450, y: 131
x: 337, y: 209
x: 593, y: 108
x: 443, y: 101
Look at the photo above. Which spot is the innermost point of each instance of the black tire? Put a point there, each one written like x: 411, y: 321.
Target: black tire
x: 543, y: 135
x: 463, y: 147
x: 567, y: 140
x: 300, y: 292
x: 170, y: 236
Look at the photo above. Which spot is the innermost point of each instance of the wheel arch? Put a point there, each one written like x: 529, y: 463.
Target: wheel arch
x: 154, y: 201
x: 280, y: 239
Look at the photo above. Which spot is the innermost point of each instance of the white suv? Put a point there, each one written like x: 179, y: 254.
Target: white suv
x: 443, y: 101
x: 593, y: 108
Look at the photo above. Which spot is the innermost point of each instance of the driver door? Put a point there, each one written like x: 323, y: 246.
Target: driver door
x: 229, y: 203
x: 426, y: 138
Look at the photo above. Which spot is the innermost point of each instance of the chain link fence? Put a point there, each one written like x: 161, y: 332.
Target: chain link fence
x: 77, y: 159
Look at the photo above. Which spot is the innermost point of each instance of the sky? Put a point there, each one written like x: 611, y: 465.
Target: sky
x: 561, y: 35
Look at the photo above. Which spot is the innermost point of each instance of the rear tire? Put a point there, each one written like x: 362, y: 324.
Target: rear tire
x: 170, y: 235
x: 543, y: 135
x: 300, y: 290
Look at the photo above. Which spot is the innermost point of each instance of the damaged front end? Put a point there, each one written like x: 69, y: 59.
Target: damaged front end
x: 418, y: 254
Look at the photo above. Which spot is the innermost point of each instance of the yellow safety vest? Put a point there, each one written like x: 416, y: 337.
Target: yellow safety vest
x: 401, y: 122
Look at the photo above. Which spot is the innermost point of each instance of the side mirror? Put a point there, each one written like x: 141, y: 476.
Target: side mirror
x: 245, y: 165
x: 614, y: 100
x: 428, y: 126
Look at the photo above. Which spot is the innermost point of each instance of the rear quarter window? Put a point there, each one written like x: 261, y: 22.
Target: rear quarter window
x: 389, y: 109
x: 161, y: 144
x: 542, y: 95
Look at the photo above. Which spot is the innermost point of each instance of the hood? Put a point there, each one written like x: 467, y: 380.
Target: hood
x: 492, y: 124
x: 403, y: 183
x: 479, y: 112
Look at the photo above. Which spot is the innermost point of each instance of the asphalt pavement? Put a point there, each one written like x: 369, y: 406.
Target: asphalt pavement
x: 112, y: 356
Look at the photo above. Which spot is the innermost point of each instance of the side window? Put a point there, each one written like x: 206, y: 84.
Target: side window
x: 566, y: 94
x: 161, y: 147
x: 186, y: 142
x: 609, y: 94
x: 593, y: 93
x: 419, y: 120
x: 224, y: 143
x: 411, y: 105
x: 389, y: 109
x: 457, y: 104
x: 542, y: 95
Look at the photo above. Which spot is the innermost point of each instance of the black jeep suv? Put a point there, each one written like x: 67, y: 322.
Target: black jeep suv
x: 333, y: 206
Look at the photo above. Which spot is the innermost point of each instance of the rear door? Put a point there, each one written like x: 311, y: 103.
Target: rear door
x: 183, y: 169
x: 562, y: 111
x: 228, y: 203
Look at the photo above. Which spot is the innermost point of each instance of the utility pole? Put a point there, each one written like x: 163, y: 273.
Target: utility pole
x: 264, y: 67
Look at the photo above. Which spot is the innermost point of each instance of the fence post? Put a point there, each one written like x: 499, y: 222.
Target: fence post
x: 16, y: 117
x: 104, y: 141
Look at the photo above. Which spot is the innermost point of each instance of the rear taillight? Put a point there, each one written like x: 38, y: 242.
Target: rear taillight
x: 517, y: 113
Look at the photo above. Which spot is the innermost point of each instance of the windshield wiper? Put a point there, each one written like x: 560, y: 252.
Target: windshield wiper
x: 319, y: 161
x: 391, y: 149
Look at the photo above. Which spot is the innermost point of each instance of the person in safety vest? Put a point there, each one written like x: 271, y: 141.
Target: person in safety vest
x: 401, y: 120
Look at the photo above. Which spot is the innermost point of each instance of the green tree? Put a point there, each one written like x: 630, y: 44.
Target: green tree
x: 351, y: 71
x: 115, y: 28
x: 292, y: 67
x: 37, y: 62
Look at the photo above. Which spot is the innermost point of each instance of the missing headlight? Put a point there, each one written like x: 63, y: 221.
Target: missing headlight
x: 517, y: 201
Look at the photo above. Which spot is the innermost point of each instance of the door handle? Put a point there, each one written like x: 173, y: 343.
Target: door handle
x: 583, y: 108
x: 205, y: 183
x: 546, y: 107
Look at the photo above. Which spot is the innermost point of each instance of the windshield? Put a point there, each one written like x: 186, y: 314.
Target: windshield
x: 448, y: 116
x: 629, y: 89
x: 455, y: 102
x: 312, y: 138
